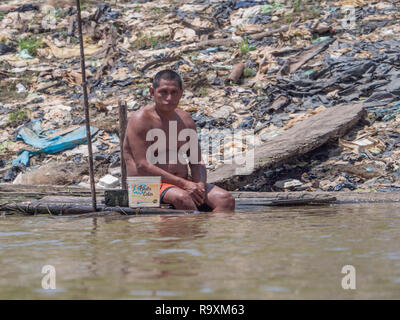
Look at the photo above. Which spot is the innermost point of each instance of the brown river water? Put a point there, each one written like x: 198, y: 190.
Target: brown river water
x: 254, y: 253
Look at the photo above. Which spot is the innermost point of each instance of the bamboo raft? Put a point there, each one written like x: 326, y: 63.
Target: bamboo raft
x: 74, y: 205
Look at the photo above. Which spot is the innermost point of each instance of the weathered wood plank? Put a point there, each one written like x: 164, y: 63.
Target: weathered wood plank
x: 341, y: 196
x: 46, y: 189
x: 79, y: 200
x: 283, y: 202
x: 240, y: 201
x: 303, y: 137
x: 36, y: 207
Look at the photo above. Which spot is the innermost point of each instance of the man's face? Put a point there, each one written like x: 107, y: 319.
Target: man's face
x: 167, y: 95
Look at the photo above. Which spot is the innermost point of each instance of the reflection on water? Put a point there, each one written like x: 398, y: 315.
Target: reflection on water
x: 273, y: 253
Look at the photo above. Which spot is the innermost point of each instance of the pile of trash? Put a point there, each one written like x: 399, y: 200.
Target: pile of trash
x: 255, y: 65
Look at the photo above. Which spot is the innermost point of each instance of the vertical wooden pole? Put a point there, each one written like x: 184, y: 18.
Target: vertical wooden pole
x: 122, y: 130
x: 86, y: 103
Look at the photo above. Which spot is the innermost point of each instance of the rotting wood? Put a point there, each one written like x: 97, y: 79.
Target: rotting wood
x: 279, y: 200
x: 47, y: 189
x: 225, y: 42
x: 342, y: 197
x: 35, y: 207
x: 80, y: 200
x: 198, y: 30
x: 73, y: 206
x: 243, y: 199
x: 294, y: 62
x: 158, y: 61
x: 48, y: 86
x: 259, y: 36
x: 284, y: 202
x: 303, y: 137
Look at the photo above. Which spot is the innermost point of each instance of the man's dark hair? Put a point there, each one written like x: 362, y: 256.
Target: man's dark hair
x: 167, y: 75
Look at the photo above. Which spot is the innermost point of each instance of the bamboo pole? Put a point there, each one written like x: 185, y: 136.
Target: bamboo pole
x: 86, y: 103
x: 122, y: 130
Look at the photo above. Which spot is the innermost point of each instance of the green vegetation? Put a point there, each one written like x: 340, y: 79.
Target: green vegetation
x: 2, y: 15
x: 203, y: 92
x: 153, y: 41
x: 31, y: 44
x: 267, y: 8
x: 3, y: 147
x: 193, y: 56
x: 147, y: 41
x: 158, y: 12
x: 8, y: 87
x: 297, y: 6
x: 244, y: 47
x: 16, y: 116
x: 301, y: 10
x: 248, y: 72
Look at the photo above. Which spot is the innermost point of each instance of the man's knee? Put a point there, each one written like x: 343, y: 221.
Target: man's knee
x: 183, y: 200
x: 226, y: 200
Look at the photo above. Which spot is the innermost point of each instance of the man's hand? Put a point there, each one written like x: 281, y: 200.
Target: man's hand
x: 197, y: 191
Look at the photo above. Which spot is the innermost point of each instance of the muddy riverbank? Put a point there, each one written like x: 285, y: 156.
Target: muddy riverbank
x: 263, y: 66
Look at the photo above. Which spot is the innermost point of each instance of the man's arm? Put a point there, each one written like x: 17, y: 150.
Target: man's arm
x: 136, y: 132
x: 197, y: 167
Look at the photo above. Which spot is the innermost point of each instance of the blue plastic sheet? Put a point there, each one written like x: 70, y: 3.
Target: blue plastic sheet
x: 248, y: 4
x: 385, y: 113
x: 55, y: 144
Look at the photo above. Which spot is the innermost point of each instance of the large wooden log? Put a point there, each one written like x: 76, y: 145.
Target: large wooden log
x: 303, y: 137
x: 33, y: 208
x: 283, y: 202
x: 27, y: 189
x: 341, y: 196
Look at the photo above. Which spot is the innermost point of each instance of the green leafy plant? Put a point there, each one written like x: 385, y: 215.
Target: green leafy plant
x: 4, y: 146
x: 153, y: 41
x: 18, y: 115
x: 244, y: 47
x: 267, y: 8
x: 31, y: 44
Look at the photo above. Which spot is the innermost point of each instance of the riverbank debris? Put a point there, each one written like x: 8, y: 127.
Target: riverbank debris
x: 298, y: 59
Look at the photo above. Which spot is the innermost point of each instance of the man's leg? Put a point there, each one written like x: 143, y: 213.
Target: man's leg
x: 179, y: 198
x: 219, y: 200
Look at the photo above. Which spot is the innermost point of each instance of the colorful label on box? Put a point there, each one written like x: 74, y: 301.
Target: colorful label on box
x: 144, y: 194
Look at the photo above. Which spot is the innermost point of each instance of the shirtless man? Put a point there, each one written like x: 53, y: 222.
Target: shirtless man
x: 163, y: 116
